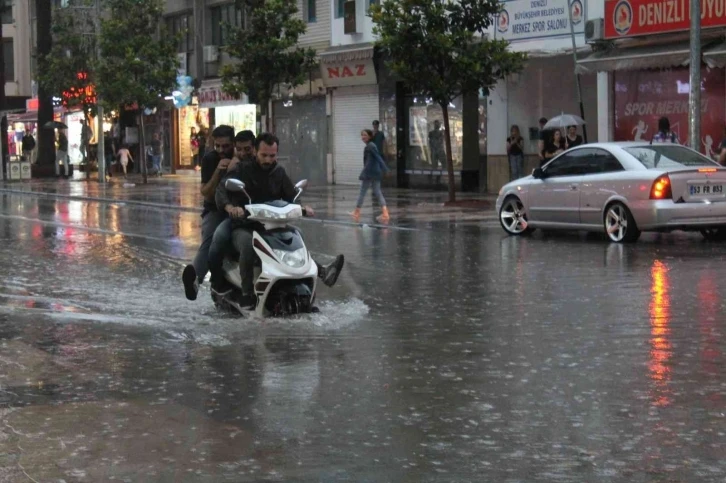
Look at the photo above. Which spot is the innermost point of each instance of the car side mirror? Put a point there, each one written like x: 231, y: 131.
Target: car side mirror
x: 234, y: 185
x: 538, y: 173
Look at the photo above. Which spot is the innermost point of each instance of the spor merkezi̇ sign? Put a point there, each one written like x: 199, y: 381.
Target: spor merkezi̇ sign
x: 630, y: 18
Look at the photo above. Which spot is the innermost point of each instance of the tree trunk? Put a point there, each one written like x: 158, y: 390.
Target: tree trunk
x: 449, y: 157
x: 142, y: 151
x: 46, y: 137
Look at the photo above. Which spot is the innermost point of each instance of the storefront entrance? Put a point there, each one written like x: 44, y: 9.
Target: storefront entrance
x: 302, y: 127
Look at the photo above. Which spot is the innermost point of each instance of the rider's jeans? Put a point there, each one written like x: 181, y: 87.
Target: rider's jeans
x: 210, y: 222
x: 242, y: 241
x: 221, y: 241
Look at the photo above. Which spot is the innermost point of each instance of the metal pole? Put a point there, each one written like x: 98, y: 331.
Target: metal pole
x: 577, y: 76
x: 694, y: 96
x: 100, y: 145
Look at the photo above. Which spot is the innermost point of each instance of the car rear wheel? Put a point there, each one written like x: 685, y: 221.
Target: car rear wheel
x: 714, y: 234
x: 513, y: 218
x: 620, y: 226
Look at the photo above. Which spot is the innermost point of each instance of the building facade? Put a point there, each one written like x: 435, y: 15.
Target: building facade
x: 640, y: 53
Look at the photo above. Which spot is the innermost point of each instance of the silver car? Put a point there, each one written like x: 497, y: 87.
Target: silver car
x: 621, y: 189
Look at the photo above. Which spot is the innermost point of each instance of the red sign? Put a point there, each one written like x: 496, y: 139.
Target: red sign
x: 32, y: 104
x: 630, y: 18
x: 643, y: 97
x: 83, y: 93
x: 357, y: 70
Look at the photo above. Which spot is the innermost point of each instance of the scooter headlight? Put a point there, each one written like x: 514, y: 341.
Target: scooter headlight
x: 294, y: 259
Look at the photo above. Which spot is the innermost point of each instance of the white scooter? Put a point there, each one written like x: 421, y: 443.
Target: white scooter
x: 286, y: 278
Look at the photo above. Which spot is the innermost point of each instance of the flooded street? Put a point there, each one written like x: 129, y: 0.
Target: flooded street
x: 446, y: 352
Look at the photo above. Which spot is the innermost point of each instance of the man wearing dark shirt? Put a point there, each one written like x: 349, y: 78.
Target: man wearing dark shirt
x: 214, y: 168
x: 378, y: 137
x: 545, y: 136
x: 572, y: 139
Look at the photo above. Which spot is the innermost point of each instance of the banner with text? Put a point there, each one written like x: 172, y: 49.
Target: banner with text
x: 630, y: 18
x: 534, y: 19
x: 642, y: 97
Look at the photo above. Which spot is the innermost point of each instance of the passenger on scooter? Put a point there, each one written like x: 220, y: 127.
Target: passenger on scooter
x: 214, y: 168
x: 265, y: 181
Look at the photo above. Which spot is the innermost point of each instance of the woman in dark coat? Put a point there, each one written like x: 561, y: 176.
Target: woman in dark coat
x: 374, y: 167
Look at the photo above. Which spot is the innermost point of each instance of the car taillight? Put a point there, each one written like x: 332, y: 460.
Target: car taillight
x: 661, y: 189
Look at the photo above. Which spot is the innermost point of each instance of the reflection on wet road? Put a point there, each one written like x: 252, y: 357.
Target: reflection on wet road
x: 443, y: 354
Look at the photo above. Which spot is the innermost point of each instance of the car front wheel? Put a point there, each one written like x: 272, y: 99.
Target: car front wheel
x: 513, y: 218
x: 620, y: 225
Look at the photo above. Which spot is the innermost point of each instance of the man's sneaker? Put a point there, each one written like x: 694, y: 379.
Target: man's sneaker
x: 247, y: 301
x: 191, y: 284
x: 331, y: 272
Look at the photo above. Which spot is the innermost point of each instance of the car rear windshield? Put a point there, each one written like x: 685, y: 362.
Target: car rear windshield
x: 668, y: 156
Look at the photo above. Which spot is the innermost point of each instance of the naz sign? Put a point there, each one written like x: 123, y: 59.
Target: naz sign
x: 630, y: 18
x: 353, y: 73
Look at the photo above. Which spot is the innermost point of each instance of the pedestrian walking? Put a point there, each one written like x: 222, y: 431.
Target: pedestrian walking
x: 515, y: 152
x: 374, y: 167
x: 28, y: 146
x: 722, y: 150
x: 86, y: 136
x: 553, y: 147
x: 108, y: 148
x: 664, y: 134
x: 572, y: 139
x: 124, y: 155
x: 436, y: 146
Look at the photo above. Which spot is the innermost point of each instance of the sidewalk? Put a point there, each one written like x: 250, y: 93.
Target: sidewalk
x: 181, y: 192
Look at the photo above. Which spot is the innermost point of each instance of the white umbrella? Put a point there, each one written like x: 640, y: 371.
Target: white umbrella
x: 564, y: 120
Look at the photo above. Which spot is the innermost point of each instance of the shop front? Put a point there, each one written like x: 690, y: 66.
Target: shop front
x: 301, y: 124
x: 350, y: 75
x: 190, y: 121
x: 646, y: 66
x: 227, y: 109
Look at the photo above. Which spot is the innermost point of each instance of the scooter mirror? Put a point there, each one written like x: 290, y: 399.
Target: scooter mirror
x: 234, y: 185
x: 302, y: 184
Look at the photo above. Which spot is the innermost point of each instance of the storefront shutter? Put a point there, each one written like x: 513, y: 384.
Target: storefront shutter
x: 354, y: 109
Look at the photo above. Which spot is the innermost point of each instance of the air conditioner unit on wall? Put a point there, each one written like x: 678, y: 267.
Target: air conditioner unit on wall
x: 211, y: 53
x: 594, y: 30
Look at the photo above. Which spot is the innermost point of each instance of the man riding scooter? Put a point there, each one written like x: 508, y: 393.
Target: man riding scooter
x: 265, y: 181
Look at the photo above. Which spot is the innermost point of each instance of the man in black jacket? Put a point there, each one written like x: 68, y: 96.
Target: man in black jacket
x: 265, y: 181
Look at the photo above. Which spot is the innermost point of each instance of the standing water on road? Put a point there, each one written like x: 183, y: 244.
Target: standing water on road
x: 443, y: 354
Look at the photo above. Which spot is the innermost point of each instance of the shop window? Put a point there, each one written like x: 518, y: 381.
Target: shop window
x: 7, y: 15
x: 183, y: 27
x: 9, y: 60
x: 310, y: 11
x: 222, y: 18
x: 426, y: 136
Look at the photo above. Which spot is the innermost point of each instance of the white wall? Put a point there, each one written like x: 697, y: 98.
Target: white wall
x: 317, y: 35
x: 19, y: 31
x: 364, y: 25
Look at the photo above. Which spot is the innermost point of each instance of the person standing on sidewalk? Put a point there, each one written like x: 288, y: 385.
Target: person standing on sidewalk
x: 61, y: 156
x: 515, y: 152
x: 156, y: 153
x: 28, y: 146
x: 214, y: 168
x: 373, y: 170
x: 378, y: 137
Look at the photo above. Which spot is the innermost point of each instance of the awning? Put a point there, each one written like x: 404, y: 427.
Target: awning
x: 715, y: 56
x: 636, y: 58
x: 347, y: 53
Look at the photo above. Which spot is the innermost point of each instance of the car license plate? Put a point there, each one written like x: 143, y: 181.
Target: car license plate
x: 706, y: 189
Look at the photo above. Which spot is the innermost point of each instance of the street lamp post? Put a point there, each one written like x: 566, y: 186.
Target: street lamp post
x: 100, y: 146
x: 694, y: 95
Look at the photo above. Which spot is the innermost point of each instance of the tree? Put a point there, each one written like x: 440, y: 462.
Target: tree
x: 138, y: 63
x: 265, y: 51
x: 46, y: 141
x: 69, y: 66
x: 439, y: 50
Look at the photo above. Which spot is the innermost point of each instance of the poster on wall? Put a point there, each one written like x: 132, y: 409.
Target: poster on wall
x: 643, y: 97
x: 417, y: 126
